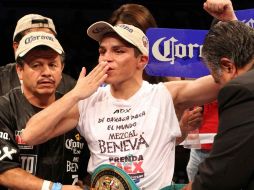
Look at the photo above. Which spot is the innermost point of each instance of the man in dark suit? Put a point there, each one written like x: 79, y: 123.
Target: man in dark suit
x: 228, y: 51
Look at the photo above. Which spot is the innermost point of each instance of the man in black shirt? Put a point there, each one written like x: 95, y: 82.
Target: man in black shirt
x: 39, y: 66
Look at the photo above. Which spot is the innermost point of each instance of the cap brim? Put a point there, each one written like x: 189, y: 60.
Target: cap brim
x: 97, y: 30
x: 24, y: 52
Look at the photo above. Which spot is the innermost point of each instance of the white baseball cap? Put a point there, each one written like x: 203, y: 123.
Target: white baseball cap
x: 129, y: 33
x: 34, y: 39
x: 33, y: 21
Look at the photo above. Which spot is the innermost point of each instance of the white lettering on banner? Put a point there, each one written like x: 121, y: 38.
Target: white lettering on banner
x: 29, y: 163
x: 249, y: 22
x: 4, y: 135
x: 173, y: 50
x: 6, y: 153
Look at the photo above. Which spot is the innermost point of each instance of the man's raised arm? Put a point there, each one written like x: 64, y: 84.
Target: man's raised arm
x: 220, y: 9
x: 190, y: 93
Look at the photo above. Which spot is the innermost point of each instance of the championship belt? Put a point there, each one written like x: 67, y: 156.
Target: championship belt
x: 109, y: 177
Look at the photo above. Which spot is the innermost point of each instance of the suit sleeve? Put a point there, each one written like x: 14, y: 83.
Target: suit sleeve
x: 9, y: 151
x: 230, y: 164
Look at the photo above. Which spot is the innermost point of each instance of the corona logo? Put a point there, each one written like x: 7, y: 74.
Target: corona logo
x: 173, y: 50
x: 40, y: 37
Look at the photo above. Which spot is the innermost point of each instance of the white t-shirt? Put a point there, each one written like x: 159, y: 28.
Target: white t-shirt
x: 137, y: 135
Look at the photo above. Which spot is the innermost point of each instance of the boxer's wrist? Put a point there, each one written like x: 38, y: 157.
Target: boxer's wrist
x: 56, y: 186
x: 46, y: 185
